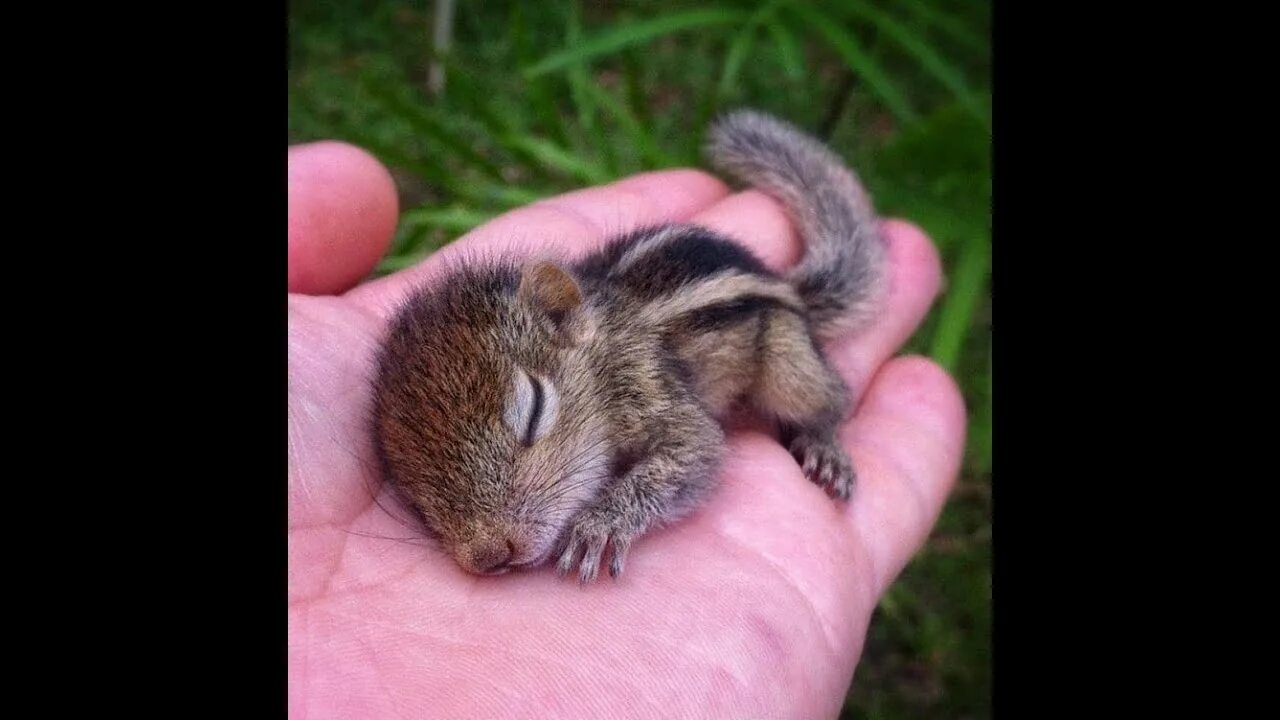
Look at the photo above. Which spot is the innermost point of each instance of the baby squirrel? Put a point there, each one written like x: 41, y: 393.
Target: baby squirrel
x: 530, y: 409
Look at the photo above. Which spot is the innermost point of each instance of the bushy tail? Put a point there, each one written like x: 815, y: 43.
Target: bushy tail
x: 841, y: 275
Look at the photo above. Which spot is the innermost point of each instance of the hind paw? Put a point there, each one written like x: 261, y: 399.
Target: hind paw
x: 825, y: 463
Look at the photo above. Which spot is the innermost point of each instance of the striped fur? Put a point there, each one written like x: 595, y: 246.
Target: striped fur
x: 534, y: 411
x: 841, y: 275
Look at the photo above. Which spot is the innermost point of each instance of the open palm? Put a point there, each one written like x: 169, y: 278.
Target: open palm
x: 754, y: 607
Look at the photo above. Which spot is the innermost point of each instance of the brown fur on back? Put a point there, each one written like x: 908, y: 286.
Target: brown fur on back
x: 531, y: 410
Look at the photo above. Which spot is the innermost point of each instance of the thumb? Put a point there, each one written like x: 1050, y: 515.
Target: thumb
x: 342, y: 214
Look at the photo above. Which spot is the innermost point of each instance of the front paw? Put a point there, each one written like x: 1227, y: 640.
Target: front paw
x: 588, y: 538
x: 825, y: 463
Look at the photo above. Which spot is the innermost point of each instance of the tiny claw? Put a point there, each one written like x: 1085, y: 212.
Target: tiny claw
x: 566, y: 559
x: 810, y: 464
x: 619, y: 557
x: 843, y: 483
x: 591, y: 560
x: 825, y: 464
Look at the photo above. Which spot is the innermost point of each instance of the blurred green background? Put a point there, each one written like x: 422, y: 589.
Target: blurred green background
x: 541, y: 98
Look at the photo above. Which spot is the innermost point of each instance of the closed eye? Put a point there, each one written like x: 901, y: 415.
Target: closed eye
x: 539, y: 395
x: 531, y: 408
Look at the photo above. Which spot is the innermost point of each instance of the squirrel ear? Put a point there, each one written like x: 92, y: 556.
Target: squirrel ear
x: 552, y: 292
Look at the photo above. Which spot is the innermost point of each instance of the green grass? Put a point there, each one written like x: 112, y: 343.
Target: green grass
x: 548, y: 97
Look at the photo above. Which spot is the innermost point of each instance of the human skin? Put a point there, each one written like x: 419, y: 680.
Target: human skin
x: 756, y: 606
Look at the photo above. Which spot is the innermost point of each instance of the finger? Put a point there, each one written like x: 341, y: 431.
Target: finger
x: 342, y: 214
x: 907, y: 441
x: 568, y: 226
x: 758, y: 222
x: 914, y: 278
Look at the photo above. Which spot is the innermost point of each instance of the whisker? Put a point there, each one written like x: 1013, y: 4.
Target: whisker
x: 408, y: 541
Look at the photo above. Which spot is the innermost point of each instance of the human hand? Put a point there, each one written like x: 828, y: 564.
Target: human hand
x: 756, y: 606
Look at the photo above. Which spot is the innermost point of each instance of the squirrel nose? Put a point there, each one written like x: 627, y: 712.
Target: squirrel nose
x: 492, y: 556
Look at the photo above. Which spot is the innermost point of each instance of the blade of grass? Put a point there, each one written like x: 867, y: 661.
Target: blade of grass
x: 947, y: 24
x: 890, y: 605
x: 980, y: 430
x: 636, y: 131
x: 632, y: 76
x: 929, y: 59
x: 397, y: 263
x: 408, y: 239
x: 538, y: 89
x: 507, y: 196
x: 472, y: 190
x: 468, y: 89
x: 580, y: 89
x: 421, y: 121
x: 955, y: 318
x: 454, y: 219
x: 703, y: 45
x: 577, y: 72
x: 740, y: 47
x: 556, y: 157
x: 848, y: 48
x: 789, y: 55
x: 490, y: 195
x: 737, y: 54
x: 628, y: 34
